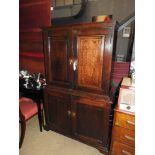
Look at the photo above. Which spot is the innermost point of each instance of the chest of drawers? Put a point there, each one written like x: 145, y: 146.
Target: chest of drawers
x: 123, y: 134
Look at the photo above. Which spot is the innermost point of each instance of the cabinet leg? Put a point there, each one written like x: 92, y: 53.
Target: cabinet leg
x: 104, y: 152
x: 46, y: 128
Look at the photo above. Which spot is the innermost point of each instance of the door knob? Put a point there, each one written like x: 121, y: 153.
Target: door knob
x: 69, y: 112
x: 73, y: 114
x: 75, y: 65
x: 70, y: 61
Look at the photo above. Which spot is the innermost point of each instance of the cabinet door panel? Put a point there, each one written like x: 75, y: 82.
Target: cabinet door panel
x: 57, y: 106
x: 90, y: 61
x: 90, y: 123
x: 57, y: 57
x: 93, y: 52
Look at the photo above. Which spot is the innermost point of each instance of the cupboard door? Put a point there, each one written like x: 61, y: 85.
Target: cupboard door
x: 57, y: 47
x: 90, y: 121
x: 57, y: 110
x: 93, y: 52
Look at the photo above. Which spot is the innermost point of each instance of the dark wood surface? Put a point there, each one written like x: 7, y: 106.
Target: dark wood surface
x: 90, y: 45
x: 60, y: 69
x: 90, y: 121
x: 83, y: 118
x: 78, y: 69
x: 57, y: 109
x: 57, y: 50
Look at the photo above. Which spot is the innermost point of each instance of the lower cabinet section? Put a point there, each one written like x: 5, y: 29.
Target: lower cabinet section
x: 81, y: 116
x: 91, y: 121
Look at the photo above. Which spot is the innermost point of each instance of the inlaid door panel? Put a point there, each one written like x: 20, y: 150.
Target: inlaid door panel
x: 93, y: 55
x: 59, y: 52
x: 90, y: 61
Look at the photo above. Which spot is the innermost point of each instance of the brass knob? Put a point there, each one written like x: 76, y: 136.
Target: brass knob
x: 70, y: 61
x: 69, y: 112
x: 73, y: 114
x: 75, y: 65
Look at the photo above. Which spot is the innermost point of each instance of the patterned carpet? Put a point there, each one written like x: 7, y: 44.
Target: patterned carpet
x: 51, y: 143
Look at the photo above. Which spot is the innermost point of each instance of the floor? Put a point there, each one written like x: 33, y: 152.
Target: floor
x: 51, y: 143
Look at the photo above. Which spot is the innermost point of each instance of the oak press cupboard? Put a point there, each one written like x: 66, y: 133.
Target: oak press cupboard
x: 78, y: 61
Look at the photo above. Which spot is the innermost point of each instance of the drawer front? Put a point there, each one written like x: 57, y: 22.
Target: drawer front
x: 125, y: 120
x: 121, y: 149
x: 124, y: 135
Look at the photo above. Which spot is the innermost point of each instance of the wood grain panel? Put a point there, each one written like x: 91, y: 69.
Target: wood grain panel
x: 58, y: 105
x: 59, y: 59
x: 92, y: 129
x: 90, y: 61
x: 90, y: 125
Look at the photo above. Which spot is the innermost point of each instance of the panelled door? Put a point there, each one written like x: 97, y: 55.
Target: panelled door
x: 57, y: 54
x: 93, y: 54
x: 90, y: 120
x: 58, y: 111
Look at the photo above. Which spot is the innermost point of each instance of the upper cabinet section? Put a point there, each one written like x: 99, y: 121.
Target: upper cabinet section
x: 92, y: 48
x: 79, y: 56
